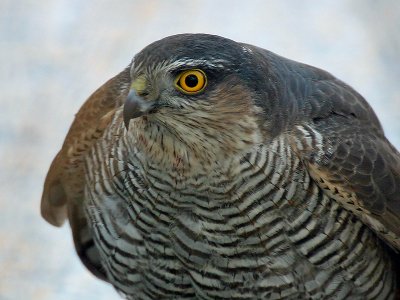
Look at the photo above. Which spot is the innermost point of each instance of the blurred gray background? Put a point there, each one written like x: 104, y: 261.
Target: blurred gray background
x: 55, y: 53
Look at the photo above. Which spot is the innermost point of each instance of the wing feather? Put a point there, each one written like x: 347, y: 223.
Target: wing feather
x: 63, y: 192
x: 352, y: 160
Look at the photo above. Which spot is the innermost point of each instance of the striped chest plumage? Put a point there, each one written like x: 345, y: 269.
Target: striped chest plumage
x: 256, y: 227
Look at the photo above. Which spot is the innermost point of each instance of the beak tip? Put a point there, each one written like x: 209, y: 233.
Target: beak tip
x: 126, y: 123
x: 126, y: 118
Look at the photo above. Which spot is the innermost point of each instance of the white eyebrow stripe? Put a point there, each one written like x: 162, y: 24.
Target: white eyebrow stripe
x: 215, y: 63
x: 168, y: 66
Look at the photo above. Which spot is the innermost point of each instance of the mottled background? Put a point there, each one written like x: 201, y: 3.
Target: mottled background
x: 54, y: 53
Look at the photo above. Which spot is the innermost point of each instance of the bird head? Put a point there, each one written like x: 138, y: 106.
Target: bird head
x: 193, y: 98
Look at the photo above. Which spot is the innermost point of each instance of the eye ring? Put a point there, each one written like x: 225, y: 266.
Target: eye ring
x: 191, y: 81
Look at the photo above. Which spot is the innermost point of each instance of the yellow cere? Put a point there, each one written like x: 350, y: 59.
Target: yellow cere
x: 191, y: 81
x: 139, y: 84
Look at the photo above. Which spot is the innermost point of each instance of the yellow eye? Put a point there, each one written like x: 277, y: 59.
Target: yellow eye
x: 191, y: 81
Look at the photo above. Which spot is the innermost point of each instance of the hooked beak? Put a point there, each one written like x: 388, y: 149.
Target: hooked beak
x: 135, y: 106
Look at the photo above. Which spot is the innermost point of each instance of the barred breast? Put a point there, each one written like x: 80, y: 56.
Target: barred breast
x: 253, y: 227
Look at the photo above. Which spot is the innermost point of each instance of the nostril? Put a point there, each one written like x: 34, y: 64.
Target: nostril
x: 153, y: 110
x: 143, y: 94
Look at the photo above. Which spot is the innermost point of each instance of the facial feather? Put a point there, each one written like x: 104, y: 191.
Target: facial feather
x: 201, y: 131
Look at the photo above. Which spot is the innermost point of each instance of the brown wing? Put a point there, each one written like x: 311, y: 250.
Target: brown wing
x: 64, y: 185
x: 350, y: 158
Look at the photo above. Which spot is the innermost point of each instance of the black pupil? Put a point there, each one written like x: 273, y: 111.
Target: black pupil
x: 191, y: 81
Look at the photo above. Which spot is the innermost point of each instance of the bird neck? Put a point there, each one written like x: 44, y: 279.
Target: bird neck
x: 190, y: 149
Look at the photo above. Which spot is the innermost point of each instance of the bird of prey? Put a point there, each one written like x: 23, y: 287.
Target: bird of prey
x: 213, y: 169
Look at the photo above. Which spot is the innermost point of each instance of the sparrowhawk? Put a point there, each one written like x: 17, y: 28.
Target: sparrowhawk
x: 212, y: 169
